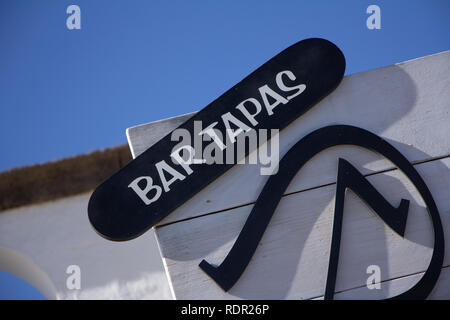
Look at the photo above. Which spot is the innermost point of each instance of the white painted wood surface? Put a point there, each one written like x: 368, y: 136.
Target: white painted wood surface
x: 409, y: 105
x: 440, y: 291
x: 292, y: 259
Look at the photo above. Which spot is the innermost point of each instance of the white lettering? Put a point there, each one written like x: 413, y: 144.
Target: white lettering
x: 250, y: 116
x: 265, y: 91
x: 142, y: 193
x: 279, y: 79
x: 162, y: 167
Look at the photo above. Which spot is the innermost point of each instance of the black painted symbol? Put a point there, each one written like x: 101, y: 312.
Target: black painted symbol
x: 234, y: 264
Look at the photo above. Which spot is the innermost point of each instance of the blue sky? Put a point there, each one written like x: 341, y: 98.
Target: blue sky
x: 14, y: 288
x: 65, y: 92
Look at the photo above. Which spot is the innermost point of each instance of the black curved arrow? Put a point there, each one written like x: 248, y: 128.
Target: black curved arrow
x: 234, y: 264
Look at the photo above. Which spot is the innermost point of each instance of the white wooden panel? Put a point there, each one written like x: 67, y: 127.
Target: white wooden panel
x: 408, y: 104
x: 387, y: 289
x: 144, y: 136
x: 38, y: 243
x: 292, y: 259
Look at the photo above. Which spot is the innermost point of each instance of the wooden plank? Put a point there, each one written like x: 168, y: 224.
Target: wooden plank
x: 390, y: 288
x: 292, y: 258
x: 408, y: 104
x: 142, y: 137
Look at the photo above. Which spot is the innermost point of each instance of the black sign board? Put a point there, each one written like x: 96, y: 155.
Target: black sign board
x: 141, y: 194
